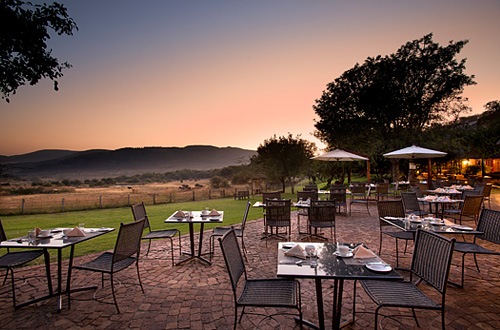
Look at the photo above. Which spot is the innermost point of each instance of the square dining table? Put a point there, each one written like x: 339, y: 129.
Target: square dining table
x: 55, y: 241
x: 330, y: 267
x: 191, y: 218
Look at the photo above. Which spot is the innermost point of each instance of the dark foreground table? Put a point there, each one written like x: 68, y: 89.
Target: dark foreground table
x: 56, y: 241
x: 329, y: 266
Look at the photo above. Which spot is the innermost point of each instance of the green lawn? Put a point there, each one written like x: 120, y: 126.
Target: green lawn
x: 19, y: 225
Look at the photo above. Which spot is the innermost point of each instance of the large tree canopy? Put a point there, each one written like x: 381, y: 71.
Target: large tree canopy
x: 24, y: 57
x: 386, y: 102
x: 284, y: 158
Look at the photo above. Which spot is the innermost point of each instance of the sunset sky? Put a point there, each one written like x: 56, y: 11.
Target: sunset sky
x: 225, y: 73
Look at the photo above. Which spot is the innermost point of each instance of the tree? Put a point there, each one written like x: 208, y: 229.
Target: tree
x: 24, y: 57
x: 386, y: 102
x: 283, y: 159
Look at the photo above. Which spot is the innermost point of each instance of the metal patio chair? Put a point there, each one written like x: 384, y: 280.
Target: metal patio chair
x: 322, y: 215
x: 265, y: 293
x: 240, y: 232
x: 139, y: 212
x: 489, y: 225
x: 431, y: 262
x: 10, y: 260
x: 411, y: 204
x: 392, y: 209
x: 127, y: 245
x: 278, y: 216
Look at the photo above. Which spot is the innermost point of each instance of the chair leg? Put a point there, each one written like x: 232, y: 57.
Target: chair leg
x: 139, y: 275
x: 406, y: 245
x: 477, y: 265
x: 463, y: 269
x: 172, y: 250
x: 415, y: 316
x: 13, y: 287
x: 397, y: 253
x: 6, y: 275
x: 380, y: 245
x: 354, y: 301
x: 149, y: 247
x: 243, y: 247
x: 113, y: 291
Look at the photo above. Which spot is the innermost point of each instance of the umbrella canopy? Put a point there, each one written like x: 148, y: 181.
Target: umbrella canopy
x: 339, y: 155
x: 414, y: 152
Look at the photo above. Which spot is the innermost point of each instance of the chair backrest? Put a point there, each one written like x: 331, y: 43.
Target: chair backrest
x: 392, y: 208
x: 3, y: 237
x: 487, y: 190
x: 128, y: 241
x: 339, y: 196
x: 432, y: 254
x: 304, y: 195
x: 139, y: 212
x: 278, y: 212
x: 245, y: 216
x: 480, y: 186
x: 489, y: 224
x: 337, y: 186
x: 270, y: 195
x: 322, y: 213
x: 410, y: 201
x: 472, y: 206
x: 416, y: 190
x: 382, y: 188
x: 233, y: 258
x: 312, y: 187
x: 358, y: 190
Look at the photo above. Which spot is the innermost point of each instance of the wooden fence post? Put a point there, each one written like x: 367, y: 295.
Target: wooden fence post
x: 193, y: 196
x: 62, y: 205
x: 170, y: 197
x: 23, y: 201
x: 128, y: 199
x: 223, y: 193
x: 209, y: 193
x: 100, y: 202
x: 154, y: 199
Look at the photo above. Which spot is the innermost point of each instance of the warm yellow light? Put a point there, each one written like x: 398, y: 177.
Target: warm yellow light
x: 465, y: 162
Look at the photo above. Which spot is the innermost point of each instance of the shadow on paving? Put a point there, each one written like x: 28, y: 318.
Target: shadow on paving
x: 198, y: 296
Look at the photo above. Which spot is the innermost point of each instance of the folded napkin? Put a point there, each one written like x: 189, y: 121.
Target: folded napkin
x: 76, y: 232
x: 439, y: 190
x: 297, y: 251
x: 179, y: 214
x: 37, y: 231
x: 453, y: 191
x: 214, y: 213
x: 444, y: 199
x: 363, y: 253
x: 429, y: 198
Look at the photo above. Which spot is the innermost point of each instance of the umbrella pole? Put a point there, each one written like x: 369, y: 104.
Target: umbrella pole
x: 429, y: 174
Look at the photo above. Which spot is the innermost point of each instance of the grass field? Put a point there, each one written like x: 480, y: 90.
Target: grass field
x: 16, y: 226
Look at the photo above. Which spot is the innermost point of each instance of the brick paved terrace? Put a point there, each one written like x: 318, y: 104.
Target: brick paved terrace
x: 199, y: 296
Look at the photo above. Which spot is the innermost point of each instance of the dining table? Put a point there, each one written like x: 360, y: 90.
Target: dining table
x: 192, y: 217
x: 56, y: 240
x: 437, y: 201
x: 326, y: 264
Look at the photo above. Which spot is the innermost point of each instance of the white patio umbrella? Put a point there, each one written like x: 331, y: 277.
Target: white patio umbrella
x: 342, y: 155
x: 415, y: 152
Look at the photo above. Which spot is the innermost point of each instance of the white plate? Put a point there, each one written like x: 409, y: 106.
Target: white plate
x: 46, y: 236
x: 348, y: 255
x: 416, y: 220
x: 288, y: 245
x: 437, y: 223
x: 378, y: 267
x: 463, y: 227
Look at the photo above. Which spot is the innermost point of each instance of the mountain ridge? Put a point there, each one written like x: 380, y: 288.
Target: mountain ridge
x: 99, y: 163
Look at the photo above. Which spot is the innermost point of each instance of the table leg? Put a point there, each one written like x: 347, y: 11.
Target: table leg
x: 192, y: 255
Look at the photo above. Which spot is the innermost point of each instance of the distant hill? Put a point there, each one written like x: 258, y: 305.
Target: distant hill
x: 100, y: 163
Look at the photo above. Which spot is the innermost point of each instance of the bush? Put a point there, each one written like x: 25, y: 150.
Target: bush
x: 218, y: 182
